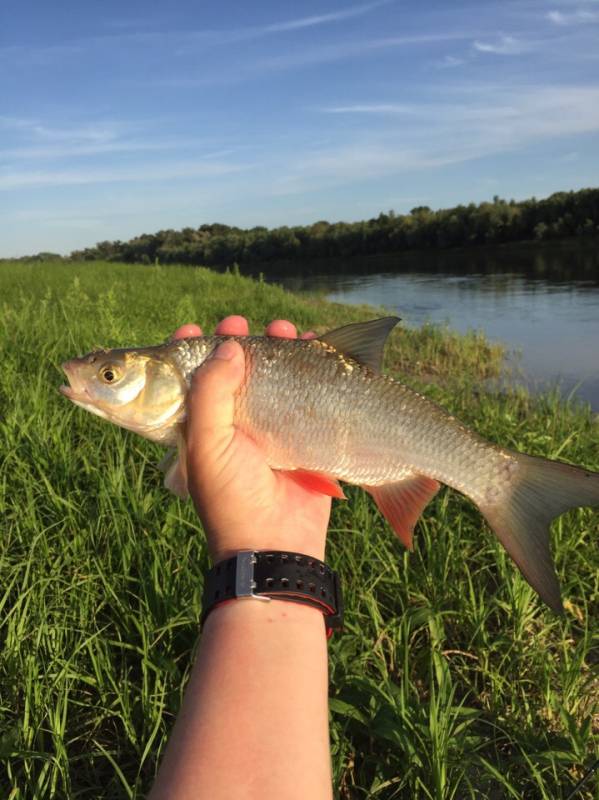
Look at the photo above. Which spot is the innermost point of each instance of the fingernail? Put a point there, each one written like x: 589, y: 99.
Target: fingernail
x: 225, y: 351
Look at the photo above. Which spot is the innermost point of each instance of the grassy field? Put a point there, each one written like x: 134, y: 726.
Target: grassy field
x: 451, y: 680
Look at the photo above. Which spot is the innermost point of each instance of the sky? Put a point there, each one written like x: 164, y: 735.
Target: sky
x: 123, y: 118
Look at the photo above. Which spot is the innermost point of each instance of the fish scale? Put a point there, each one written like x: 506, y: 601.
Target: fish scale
x: 323, y: 411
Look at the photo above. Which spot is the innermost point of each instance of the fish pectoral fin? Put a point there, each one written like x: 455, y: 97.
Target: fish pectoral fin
x: 175, y: 479
x: 317, y: 482
x: 174, y: 466
x: 364, y: 342
x: 402, y: 502
x: 167, y: 462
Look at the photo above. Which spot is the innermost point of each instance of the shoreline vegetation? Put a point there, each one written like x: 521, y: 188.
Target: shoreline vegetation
x: 563, y: 215
x: 450, y: 679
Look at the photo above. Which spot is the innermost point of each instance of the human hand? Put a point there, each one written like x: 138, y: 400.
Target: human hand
x: 243, y: 503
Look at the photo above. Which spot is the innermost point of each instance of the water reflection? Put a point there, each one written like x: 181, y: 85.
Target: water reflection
x: 541, y: 302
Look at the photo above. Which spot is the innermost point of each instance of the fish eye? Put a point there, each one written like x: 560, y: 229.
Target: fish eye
x: 108, y: 374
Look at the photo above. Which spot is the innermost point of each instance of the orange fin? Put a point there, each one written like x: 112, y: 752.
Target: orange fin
x: 401, y: 503
x: 317, y: 482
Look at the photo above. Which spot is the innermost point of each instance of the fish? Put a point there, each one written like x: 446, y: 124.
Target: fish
x: 323, y: 411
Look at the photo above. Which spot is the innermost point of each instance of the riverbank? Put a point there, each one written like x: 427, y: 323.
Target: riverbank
x: 540, y: 302
x: 450, y: 678
x: 562, y: 214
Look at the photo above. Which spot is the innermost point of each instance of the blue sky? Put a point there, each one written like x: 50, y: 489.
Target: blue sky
x: 122, y: 118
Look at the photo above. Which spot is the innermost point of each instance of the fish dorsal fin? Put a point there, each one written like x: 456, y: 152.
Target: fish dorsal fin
x: 362, y: 341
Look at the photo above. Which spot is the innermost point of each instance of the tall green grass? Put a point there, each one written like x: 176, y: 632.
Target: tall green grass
x: 450, y: 680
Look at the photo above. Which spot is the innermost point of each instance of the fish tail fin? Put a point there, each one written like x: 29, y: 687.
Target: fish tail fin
x: 540, y: 490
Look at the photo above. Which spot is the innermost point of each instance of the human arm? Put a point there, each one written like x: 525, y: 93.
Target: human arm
x: 254, y: 719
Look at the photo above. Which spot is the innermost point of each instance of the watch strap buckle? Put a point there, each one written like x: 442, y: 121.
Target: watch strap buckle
x: 245, y: 582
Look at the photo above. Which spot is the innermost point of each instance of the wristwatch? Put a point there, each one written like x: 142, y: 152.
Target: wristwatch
x: 275, y: 575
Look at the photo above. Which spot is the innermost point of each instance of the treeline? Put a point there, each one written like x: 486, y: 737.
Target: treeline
x: 564, y: 214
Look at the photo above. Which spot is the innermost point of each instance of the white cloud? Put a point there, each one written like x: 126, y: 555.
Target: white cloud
x: 34, y: 130
x: 514, y: 118
x: 338, y: 52
x: 558, y: 17
x: 179, y: 42
x: 320, y: 19
x: 451, y: 61
x: 73, y: 150
x: 504, y: 46
x: 39, y: 140
x: 186, y: 42
x: 140, y: 174
x: 306, y: 57
x: 372, y: 108
x: 579, y: 17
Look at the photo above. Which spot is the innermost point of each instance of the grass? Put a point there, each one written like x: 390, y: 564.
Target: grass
x: 450, y: 680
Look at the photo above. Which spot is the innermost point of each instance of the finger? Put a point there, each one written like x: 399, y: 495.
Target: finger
x: 308, y: 335
x: 281, y: 328
x: 233, y: 326
x: 186, y: 331
x: 211, y: 406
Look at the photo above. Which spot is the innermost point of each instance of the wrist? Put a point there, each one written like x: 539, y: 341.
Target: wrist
x: 274, y: 616
x: 227, y: 547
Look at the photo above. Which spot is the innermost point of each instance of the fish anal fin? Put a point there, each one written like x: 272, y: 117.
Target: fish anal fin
x: 317, y: 482
x: 363, y: 342
x: 402, y: 503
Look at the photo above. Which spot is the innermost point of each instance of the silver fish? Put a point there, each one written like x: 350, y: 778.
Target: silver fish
x: 321, y: 410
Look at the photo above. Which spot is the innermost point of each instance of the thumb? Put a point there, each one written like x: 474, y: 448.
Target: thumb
x: 211, y: 406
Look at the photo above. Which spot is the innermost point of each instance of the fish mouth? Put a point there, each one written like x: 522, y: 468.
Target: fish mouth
x: 69, y: 392
x: 74, y: 391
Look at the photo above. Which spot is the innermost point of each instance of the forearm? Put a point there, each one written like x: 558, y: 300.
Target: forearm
x: 254, y: 720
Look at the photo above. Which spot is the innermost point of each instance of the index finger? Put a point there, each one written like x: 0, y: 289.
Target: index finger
x: 281, y: 328
x: 186, y: 331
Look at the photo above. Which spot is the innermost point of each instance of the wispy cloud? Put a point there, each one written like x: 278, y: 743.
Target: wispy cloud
x: 450, y: 61
x: 189, y: 40
x: 338, y: 52
x: 182, y: 42
x: 96, y: 134
x: 579, y: 17
x: 320, y: 19
x: 39, y: 140
x: 371, y: 108
x: 518, y: 117
x: 33, y: 129
x: 70, y: 150
x: 140, y: 174
x: 503, y: 46
x: 311, y: 56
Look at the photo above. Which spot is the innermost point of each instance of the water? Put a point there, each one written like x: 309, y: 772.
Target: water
x: 542, y: 302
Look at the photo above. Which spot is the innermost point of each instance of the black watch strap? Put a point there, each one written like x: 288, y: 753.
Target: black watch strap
x: 275, y: 575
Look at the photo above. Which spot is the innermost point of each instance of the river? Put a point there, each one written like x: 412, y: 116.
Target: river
x: 541, y: 301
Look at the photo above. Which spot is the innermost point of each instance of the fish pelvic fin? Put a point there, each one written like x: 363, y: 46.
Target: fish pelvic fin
x: 174, y: 466
x: 317, y: 482
x: 540, y: 491
x: 363, y: 342
x: 402, y: 503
